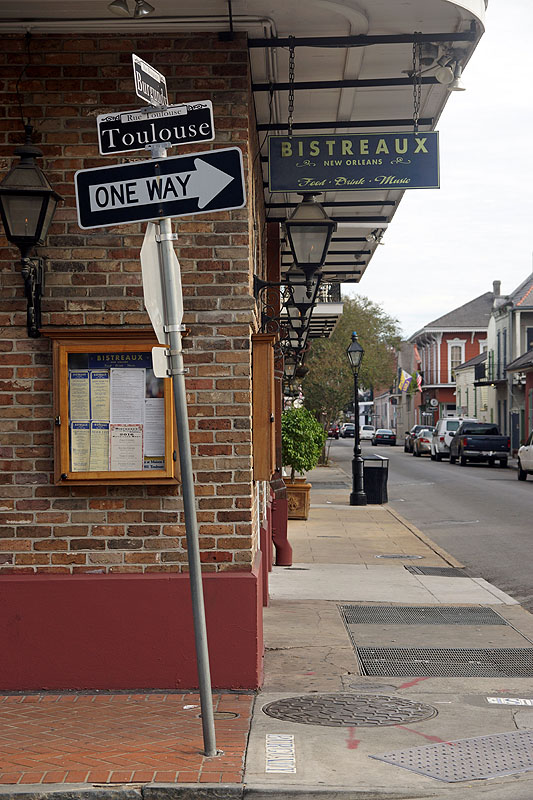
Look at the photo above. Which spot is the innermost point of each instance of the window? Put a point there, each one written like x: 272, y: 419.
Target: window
x: 504, y: 351
x: 456, y: 356
x: 114, y: 417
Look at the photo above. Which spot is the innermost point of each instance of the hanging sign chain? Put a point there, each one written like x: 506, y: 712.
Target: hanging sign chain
x: 417, y: 84
x: 291, y: 84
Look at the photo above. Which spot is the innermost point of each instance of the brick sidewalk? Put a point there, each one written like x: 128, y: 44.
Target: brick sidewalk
x: 119, y: 738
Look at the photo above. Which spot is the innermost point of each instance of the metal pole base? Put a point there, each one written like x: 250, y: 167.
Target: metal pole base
x: 357, y: 496
x: 358, y: 499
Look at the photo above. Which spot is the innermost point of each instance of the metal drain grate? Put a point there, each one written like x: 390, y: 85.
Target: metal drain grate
x: 420, y: 615
x: 349, y: 710
x: 435, y: 662
x: 468, y: 759
x: 443, y: 572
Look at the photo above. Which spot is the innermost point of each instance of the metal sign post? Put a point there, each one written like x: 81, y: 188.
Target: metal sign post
x: 173, y: 316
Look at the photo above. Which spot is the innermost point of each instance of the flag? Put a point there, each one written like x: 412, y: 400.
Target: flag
x: 417, y: 354
x: 419, y: 381
x: 405, y: 381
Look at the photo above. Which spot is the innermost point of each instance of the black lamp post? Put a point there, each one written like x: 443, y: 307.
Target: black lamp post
x: 27, y: 205
x: 355, y: 355
x: 309, y: 232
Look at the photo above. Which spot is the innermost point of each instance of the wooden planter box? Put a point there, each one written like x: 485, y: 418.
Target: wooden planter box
x: 298, y: 498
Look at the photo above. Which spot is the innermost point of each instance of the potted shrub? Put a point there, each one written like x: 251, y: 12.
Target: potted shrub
x: 302, y: 440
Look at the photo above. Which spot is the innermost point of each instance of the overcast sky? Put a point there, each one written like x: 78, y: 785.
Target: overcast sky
x: 446, y: 246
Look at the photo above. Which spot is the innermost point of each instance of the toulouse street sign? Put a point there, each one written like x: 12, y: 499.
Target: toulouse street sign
x: 168, y: 187
x: 346, y: 162
x: 134, y: 130
x: 150, y: 85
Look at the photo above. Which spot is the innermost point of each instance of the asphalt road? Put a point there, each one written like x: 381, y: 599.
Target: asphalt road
x: 481, y: 515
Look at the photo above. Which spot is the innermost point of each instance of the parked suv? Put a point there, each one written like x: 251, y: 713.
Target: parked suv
x: 444, y: 432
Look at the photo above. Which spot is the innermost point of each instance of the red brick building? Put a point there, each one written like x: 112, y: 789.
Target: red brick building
x: 443, y: 345
x: 94, y: 591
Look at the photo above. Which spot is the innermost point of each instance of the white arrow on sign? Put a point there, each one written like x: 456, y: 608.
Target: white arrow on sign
x: 153, y: 283
x: 204, y: 183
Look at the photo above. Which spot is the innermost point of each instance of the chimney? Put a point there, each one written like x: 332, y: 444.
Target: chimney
x: 496, y: 288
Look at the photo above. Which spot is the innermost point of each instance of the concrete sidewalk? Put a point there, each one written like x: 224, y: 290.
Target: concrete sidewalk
x: 345, y: 558
x: 310, y: 650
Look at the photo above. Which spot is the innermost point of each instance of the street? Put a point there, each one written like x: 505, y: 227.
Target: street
x: 481, y: 515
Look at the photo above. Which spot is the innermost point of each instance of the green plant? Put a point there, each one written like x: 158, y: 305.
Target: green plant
x: 302, y: 440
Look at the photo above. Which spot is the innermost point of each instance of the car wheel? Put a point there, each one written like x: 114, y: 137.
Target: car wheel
x: 503, y: 462
x: 522, y: 474
x: 462, y: 460
x: 453, y: 459
x: 491, y: 462
x: 438, y: 456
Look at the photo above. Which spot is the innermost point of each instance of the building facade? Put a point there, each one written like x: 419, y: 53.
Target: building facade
x: 445, y: 344
x: 94, y: 590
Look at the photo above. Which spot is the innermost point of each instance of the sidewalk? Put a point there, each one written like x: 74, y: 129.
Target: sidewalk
x: 346, y: 559
x: 310, y: 649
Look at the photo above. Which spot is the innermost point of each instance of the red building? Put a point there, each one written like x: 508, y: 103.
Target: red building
x: 442, y: 345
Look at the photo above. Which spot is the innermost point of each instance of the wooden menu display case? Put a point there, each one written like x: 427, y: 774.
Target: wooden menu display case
x: 114, y: 421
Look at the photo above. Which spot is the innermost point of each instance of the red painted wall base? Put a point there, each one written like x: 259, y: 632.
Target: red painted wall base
x: 128, y: 631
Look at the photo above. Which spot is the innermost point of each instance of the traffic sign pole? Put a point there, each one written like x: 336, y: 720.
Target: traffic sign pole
x: 173, y: 329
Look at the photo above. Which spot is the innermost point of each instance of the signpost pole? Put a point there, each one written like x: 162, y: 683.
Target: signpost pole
x: 173, y: 329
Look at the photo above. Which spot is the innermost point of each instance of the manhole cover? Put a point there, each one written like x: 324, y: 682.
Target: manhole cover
x: 397, y: 555
x: 468, y: 759
x: 349, y: 710
x: 441, y: 662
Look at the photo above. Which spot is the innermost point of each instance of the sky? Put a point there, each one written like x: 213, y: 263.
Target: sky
x: 446, y: 246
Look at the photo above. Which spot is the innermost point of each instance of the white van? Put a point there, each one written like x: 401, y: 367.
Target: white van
x: 444, y: 432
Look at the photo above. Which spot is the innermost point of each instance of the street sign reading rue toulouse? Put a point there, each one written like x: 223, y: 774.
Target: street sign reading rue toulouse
x: 134, y: 130
x: 346, y: 162
x: 167, y: 187
x: 150, y: 85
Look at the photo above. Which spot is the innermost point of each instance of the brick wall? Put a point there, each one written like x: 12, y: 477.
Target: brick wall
x: 93, y: 279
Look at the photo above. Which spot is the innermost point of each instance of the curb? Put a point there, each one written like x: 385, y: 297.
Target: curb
x: 506, y: 790
x: 218, y: 791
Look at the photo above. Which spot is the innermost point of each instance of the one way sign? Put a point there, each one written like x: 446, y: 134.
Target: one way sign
x: 166, y: 187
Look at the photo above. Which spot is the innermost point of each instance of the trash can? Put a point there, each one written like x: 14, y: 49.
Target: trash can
x: 375, y: 476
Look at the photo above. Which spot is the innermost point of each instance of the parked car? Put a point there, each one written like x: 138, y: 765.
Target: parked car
x: 422, y: 441
x: 334, y: 430
x: 443, y: 434
x: 384, y: 436
x: 409, y: 436
x: 479, y: 441
x: 525, y: 459
x: 348, y: 429
x: 366, y: 431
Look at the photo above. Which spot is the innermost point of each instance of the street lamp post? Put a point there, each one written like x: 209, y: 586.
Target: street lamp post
x: 355, y: 355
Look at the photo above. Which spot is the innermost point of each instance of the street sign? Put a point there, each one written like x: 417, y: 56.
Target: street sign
x: 134, y: 130
x: 353, y: 162
x: 167, y: 187
x: 153, y: 283
x: 150, y: 85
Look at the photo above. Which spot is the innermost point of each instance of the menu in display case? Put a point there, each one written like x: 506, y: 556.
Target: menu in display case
x: 114, y: 418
